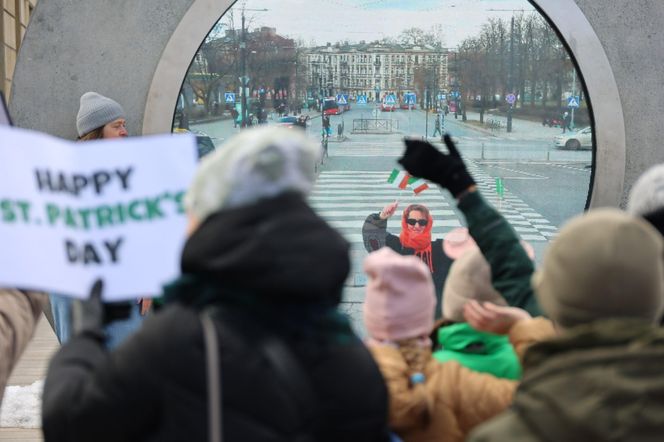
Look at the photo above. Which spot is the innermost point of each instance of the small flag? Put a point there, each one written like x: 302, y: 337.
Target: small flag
x: 419, y: 185
x: 399, y: 178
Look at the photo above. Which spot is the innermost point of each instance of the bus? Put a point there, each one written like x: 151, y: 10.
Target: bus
x: 331, y: 107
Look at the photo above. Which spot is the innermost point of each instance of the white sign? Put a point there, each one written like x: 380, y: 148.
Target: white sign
x: 390, y: 99
x: 74, y: 212
x: 229, y: 97
x: 361, y: 99
x: 341, y: 99
x: 573, y: 102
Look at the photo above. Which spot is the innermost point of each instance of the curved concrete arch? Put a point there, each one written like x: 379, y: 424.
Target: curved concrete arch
x: 586, y: 48
x: 140, y: 60
x: 565, y: 14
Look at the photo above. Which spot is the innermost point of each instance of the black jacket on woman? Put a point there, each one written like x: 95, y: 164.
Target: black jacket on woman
x: 375, y: 236
x: 273, y: 269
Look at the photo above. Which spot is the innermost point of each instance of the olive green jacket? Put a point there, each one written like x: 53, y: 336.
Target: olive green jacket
x: 511, y: 268
x: 598, y: 382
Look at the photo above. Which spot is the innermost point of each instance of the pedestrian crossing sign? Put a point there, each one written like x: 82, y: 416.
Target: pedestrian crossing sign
x: 361, y: 99
x: 573, y: 102
x: 390, y: 99
x: 342, y: 99
x: 229, y: 97
x: 410, y: 98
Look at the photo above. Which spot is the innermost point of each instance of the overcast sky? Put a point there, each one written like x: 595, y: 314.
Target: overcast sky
x: 355, y: 20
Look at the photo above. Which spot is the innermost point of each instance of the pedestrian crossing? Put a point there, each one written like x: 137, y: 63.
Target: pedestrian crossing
x: 346, y: 198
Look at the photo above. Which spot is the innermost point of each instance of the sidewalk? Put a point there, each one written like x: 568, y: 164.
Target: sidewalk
x: 32, y: 367
x: 521, y: 129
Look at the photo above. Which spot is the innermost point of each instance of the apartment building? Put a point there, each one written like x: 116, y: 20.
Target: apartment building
x: 376, y: 69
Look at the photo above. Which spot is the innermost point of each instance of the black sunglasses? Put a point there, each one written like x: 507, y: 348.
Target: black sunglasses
x: 421, y: 222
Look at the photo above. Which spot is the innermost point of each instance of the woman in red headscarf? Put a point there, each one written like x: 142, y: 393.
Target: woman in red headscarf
x: 415, y: 239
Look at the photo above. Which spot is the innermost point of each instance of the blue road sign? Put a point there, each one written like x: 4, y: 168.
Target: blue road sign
x: 229, y: 97
x: 455, y: 94
x: 410, y: 98
x: 573, y: 102
x: 510, y: 98
x: 361, y: 99
x: 342, y: 99
x: 390, y: 99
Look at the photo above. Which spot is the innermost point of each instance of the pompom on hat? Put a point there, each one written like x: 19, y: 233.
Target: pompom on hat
x: 257, y: 163
x: 96, y: 111
x: 457, y: 242
x: 603, y: 264
x: 400, y: 296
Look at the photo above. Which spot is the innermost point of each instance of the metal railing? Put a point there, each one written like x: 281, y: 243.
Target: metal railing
x: 374, y: 125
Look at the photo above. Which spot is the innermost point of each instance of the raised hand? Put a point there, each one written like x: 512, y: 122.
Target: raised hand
x: 422, y: 159
x: 492, y: 318
x: 388, y: 210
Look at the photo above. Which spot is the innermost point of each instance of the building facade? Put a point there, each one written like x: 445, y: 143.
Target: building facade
x: 376, y: 70
x: 15, y: 17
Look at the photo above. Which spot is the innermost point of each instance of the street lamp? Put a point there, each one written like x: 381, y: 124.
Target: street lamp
x: 244, y: 80
x: 377, y: 78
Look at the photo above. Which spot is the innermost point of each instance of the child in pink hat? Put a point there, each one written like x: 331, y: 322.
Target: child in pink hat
x: 429, y: 400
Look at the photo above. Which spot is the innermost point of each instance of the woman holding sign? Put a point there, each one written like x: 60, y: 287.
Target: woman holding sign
x: 98, y: 118
x: 250, y: 334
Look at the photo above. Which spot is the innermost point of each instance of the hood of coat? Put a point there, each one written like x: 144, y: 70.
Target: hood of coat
x: 277, y: 249
x: 463, y: 338
x: 600, y: 381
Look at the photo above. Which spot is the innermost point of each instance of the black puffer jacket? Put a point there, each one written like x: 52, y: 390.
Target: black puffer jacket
x: 273, y: 268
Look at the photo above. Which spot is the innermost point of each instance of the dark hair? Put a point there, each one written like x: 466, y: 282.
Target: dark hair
x: 95, y: 134
x: 419, y: 208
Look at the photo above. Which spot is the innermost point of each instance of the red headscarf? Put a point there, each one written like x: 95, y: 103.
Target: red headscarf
x: 420, y: 242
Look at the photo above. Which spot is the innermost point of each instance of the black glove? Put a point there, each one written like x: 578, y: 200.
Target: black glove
x: 91, y: 315
x: 423, y: 160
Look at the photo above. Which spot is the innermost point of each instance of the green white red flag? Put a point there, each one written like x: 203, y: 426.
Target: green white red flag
x: 419, y: 185
x: 399, y: 178
x: 403, y: 179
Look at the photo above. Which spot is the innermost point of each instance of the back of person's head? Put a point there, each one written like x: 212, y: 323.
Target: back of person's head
x: 400, y: 296
x: 646, y: 198
x: 470, y: 278
x: 603, y: 264
x: 96, y: 111
x: 258, y: 163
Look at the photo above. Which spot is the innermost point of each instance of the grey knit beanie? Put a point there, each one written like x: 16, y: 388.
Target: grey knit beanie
x: 603, y: 264
x: 96, y: 111
x: 257, y: 163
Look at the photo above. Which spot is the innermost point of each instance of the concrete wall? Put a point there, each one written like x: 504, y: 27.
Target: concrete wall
x: 72, y: 47
x: 632, y: 34
x: 111, y: 47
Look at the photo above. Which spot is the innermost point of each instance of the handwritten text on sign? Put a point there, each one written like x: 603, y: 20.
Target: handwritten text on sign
x: 72, y: 212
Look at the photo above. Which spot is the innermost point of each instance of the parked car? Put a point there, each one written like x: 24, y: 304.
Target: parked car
x: 387, y: 107
x: 288, y: 121
x: 575, y: 140
x: 204, y: 143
